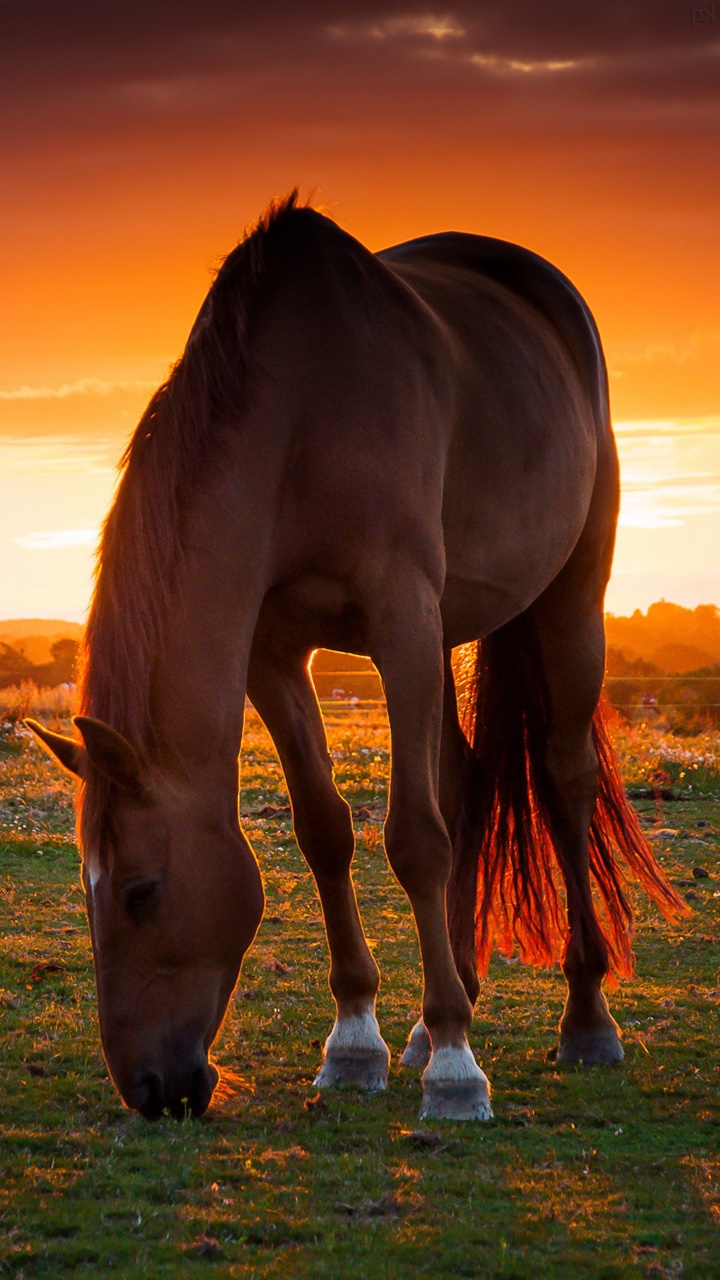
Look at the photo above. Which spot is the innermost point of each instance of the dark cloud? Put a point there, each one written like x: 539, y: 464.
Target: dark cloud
x: 75, y: 61
x: 525, y: 29
x: 138, y: 136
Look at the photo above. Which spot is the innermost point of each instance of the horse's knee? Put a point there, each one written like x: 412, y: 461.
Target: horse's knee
x: 418, y: 849
x: 325, y: 835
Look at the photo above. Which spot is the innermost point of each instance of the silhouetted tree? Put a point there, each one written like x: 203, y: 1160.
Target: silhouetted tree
x: 13, y: 662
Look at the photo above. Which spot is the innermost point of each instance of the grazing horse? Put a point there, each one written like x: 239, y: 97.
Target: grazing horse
x: 391, y: 455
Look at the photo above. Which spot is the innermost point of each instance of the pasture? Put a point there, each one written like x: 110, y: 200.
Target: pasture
x: 592, y: 1173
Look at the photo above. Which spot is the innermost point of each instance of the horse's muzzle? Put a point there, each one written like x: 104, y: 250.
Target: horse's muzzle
x: 152, y: 1095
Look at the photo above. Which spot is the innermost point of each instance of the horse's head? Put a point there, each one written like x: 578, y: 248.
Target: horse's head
x: 174, y: 899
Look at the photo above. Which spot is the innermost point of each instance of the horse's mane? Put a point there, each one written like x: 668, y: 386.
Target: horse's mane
x: 142, y: 539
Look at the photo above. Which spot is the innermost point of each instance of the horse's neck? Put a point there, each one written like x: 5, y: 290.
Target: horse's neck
x: 199, y: 684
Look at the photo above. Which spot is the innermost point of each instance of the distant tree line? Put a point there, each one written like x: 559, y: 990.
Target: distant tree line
x: 15, y: 666
x: 674, y: 640
x: 641, y: 691
x: 663, y: 666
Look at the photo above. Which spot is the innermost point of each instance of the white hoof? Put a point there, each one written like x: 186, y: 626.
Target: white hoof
x: 355, y: 1053
x: 454, y: 1087
x: 418, y: 1048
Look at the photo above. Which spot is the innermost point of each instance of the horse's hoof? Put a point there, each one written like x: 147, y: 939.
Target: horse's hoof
x: 593, y: 1048
x: 454, y: 1087
x: 456, y: 1100
x: 367, y: 1071
x: 418, y: 1048
x: 355, y: 1053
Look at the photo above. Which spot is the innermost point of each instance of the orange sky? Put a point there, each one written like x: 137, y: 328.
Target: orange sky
x: 140, y: 137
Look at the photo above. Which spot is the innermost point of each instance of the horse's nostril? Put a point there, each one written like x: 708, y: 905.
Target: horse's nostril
x: 147, y: 1096
x: 183, y: 1094
x: 196, y: 1096
x: 203, y: 1082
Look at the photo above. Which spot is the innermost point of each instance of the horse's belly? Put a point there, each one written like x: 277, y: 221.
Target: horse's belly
x: 473, y: 607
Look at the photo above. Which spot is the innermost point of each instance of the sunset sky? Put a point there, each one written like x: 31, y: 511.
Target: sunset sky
x: 139, y: 138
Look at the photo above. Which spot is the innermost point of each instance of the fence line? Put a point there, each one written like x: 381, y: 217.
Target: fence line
x: 660, y: 679
x: 342, y: 704
x: 644, y: 706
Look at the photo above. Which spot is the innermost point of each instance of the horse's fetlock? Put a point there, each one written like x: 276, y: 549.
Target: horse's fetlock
x: 355, y: 985
x: 450, y: 1020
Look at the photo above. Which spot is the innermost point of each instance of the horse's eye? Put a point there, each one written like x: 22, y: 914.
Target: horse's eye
x: 141, y: 899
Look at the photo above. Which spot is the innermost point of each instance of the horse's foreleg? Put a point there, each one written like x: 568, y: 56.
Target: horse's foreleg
x: 282, y: 692
x: 573, y: 656
x: 454, y: 752
x: 407, y: 644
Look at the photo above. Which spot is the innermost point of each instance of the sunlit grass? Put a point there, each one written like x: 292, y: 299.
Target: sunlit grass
x: 30, y: 699
x: 651, y: 754
x: 582, y: 1173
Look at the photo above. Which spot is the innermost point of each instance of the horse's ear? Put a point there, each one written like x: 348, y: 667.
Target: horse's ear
x: 111, y: 754
x: 68, y: 752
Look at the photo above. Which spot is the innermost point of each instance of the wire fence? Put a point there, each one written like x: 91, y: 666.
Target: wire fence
x: 691, y: 697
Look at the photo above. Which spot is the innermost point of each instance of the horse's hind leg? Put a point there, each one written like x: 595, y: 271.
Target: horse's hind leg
x: 406, y: 642
x: 573, y: 654
x: 280, y: 688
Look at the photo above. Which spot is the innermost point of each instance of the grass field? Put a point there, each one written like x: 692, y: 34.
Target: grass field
x: 583, y: 1173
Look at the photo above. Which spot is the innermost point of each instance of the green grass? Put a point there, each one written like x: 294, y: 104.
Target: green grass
x: 583, y: 1173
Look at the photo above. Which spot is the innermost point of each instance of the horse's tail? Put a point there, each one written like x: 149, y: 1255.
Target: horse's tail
x: 505, y: 887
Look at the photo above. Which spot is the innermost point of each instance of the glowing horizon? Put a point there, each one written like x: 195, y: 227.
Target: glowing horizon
x: 668, y: 530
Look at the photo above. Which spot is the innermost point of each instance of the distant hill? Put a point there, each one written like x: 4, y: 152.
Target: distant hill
x: 40, y: 627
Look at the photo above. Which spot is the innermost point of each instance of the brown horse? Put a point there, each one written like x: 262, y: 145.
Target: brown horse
x: 390, y: 455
